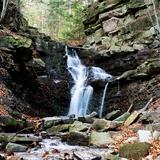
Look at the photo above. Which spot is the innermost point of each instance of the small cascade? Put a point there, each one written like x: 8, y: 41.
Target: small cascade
x: 81, y: 92
x: 102, y: 101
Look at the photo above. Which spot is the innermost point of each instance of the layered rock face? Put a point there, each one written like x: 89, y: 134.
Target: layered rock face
x: 125, y: 36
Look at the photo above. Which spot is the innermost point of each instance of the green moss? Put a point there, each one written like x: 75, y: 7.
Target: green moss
x: 59, y: 128
x: 15, y: 41
x: 134, y: 151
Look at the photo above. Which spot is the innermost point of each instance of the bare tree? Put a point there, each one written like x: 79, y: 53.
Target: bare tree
x: 4, y: 9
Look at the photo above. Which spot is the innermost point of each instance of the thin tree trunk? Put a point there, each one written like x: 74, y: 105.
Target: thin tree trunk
x: 4, y: 9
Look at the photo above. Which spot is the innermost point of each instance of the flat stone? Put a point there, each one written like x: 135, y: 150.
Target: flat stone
x: 132, y: 118
x: 123, y: 117
x: 78, y: 138
x: 12, y: 137
x: 78, y: 126
x: 102, y: 124
x: 59, y: 128
x: 100, y: 139
x: 110, y: 25
x: 51, y: 121
x: 112, y: 115
x: 13, y: 147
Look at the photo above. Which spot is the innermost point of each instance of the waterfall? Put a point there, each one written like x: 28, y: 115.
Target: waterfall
x: 82, y: 92
x: 102, y: 101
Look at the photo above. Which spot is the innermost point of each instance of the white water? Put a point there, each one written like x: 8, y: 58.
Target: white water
x: 81, y: 92
x: 102, y: 101
x: 56, y: 149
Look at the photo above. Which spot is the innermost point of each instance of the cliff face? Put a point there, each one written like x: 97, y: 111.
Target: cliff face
x: 125, y: 37
x: 32, y: 68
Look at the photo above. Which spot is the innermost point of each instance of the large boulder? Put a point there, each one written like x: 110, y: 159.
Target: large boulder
x: 78, y: 138
x: 13, y: 147
x: 134, y: 151
x: 102, y: 124
x: 100, y: 139
x: 78, y: 126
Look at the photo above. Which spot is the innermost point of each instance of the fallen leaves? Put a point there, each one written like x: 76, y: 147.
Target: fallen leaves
x: 155, y: 148
x: 3, y: 111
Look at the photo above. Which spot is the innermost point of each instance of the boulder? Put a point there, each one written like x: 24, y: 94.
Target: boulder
x: 112, y: 115
x: 12, y: 137
x: 13, y: 147
x: 100, y: 139
x: 52, y: 121
x: 13, y: 124
x: 78, y: 138
x: 123, y: 117
x: 59, y: 128
x: 102, y: 124
x: 134, y: 151
x: 150, y: 117
x: 78, y: 126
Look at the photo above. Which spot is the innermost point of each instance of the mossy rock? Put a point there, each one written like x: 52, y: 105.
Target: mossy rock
x: 78, y: 126
x: 59, y: 128
x: 15, y: 41
x: 11, y: 122
x: 134, y: 151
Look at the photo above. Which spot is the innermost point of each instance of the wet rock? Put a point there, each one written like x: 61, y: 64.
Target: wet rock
x: 102, y: 124
x: 144, y: 135
x: 11, y: 137
x: 123, y: 117
x: 52, y: 121
x: 100, y: 139
x: 78, y: 126
x: 88, y: 118
x: 112, y: 115
x: 12, y: 123
x: 59, y: 128
x: 84, y: 155
x: 78, y: 138
x: 13, y: 147
x: 134, y: 151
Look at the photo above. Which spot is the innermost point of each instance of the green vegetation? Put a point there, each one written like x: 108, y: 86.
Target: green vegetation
x: 61, y: 19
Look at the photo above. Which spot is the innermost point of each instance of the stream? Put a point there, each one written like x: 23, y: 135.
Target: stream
x: 55, y: 149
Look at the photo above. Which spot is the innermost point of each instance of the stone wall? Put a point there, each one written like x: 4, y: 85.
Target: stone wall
x: 124, y: 35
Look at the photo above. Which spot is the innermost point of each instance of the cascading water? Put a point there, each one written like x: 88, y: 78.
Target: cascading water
x: 102, y: 101
x: 81, y: 92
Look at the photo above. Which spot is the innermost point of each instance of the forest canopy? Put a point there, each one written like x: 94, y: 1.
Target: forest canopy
x: 60, y: 19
